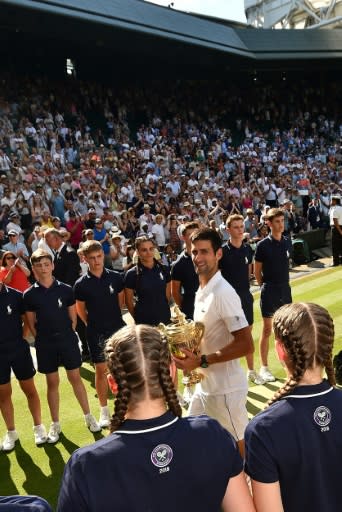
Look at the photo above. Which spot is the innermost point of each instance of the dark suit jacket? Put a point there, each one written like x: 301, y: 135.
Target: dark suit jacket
x: 67, y: 266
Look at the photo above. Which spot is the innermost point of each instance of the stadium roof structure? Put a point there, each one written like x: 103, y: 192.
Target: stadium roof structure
x: 139, y: 34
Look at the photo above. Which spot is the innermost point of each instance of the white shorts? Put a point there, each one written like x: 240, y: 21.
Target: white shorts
x: 229, y: 410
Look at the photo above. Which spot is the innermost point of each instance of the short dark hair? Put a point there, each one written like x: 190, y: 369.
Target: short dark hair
x: 207, y: 234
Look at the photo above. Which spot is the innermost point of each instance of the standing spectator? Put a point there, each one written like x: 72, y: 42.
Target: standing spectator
x: 280, y: 458
x: 158, y: 232
x: 148, y: 286
x: 13, y: 272
x: 18, y: 248
x: 66, y: 262
x: 15, y: 355
x: 314, y: 214
x: 236, y: 267
x: 117, y: 251
x: 250, y: 223
x: 335, y: 216
x: 222, y: 392
x: 127, y: 262
x: 75, y: 227
x: 101, y: 235
x: 51, y: 317
x: 172, y: 228
x: 271, y: 269
x: 147, y: 217
x: 99, y: 298
x: 184, y: 280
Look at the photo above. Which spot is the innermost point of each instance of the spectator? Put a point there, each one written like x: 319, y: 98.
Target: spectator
x: 13, y: 272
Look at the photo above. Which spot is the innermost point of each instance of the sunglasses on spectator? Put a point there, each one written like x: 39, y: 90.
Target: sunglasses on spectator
x: 12, y: 235
x: 10, y: 258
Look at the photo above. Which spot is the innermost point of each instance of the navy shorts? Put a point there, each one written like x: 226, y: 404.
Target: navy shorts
x: 19, y: 360
x: 58, y: 350
x: 247, y: 306
x: 272, y: 297
x: 96, y: 343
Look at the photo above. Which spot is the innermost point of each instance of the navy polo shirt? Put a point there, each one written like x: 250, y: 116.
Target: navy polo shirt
x: 150, y: 290
x: 162, y: 464
x: 51, y: 307
x: 274, y: 256
x: 183, y: 270
x: 100, y: 295
x: 11, y: 310
x: 234, y: 266
x: 18, y: 503
x: 297, y: 441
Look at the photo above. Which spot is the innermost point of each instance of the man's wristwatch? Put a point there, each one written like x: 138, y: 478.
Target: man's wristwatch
x: 204, y: 361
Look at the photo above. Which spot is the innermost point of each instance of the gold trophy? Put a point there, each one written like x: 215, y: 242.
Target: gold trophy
x: 182, y: 333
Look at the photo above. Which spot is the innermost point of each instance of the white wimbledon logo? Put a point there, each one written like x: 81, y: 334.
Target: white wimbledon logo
x: 322, y: 417
x: 162, y: 455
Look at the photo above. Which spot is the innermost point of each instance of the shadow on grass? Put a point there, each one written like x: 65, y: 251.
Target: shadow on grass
x: 252, y: 408
x: 274, y: 386
x: 88, y: 375
x: 35, y: 481
x: 68, y: 445
x: 257, y: 396
x: 7, y: 486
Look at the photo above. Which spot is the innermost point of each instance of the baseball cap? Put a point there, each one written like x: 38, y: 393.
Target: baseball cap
x: 13, y: 232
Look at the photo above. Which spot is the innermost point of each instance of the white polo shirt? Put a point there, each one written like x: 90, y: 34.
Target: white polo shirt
x: 336, y: 213
x: 218, y: 306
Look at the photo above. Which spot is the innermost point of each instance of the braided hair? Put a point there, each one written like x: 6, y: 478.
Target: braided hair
x: 306, y: 331
x: 138, y: 357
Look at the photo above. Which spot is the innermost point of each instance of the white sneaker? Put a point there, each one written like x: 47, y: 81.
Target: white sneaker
x: 104, y: 420
x: 91, y: 423
x: 40, y: 435
x: 266, y: 374
x: 9, y: 440
x: 54, y: 431
x: 254, y: 377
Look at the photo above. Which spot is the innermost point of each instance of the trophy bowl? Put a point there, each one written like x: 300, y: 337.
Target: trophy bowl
x: 180, y: 334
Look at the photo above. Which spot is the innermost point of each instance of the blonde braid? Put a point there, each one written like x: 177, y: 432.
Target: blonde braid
x: 138, y: 358
x: 306, y: 331
x: 166, y: 380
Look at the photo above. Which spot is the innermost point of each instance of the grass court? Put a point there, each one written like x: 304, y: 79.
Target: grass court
x: 32, y: 470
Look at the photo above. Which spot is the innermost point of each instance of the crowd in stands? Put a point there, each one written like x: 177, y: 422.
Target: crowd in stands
x: 115, y: 163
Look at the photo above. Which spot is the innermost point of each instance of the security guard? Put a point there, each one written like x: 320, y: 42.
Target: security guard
x: 335, y: 215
